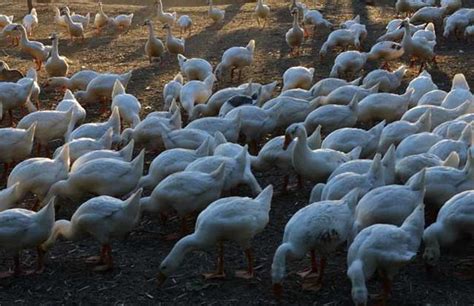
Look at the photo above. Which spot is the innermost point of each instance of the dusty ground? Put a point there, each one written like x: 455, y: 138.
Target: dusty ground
x: 69, y: 280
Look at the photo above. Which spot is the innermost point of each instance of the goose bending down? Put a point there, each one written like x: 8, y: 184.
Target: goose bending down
x: 149, y: 132
x: 342, y: 38
x: 348, y: 63
x: 172, y: 161
x: 24, y: 229
x: 295, y: 36
x: 128, y: 105
x: 417, y: 144
x: 37, y: 175
x: 125, y: 154
x: 171, y: 90
x: 96, y: 130
x: 15, y: 145
x: 186, y: 193
x: 122, y: 22
x: 454, y: 219
x: 342, y: 184
x: 410, y: 165
x: 217, y: 100
x: 314, y: 165
x: 154, y: 47
x: 346, y: 139
x: 386, y: 51
x: 345, y: 94
x: 165, y: 17
x: 9, y: 197
x: 396, y: 131
x: 235, y: 58
x: 452, y: 129
x: 318, y: 228
x: 417, y: 47
x: 411, y: 6
x: 422, y: 84
x: 185, y: 23
x: 194, y: 68
x: 442, y: 183
x: 262, y: 11
x: 459, y: 93
x: 272, y: 154
x: 439, y: 114
x: 385, y: 248
x: 237, y: 170
x: 390, y: 204
x: 461, y: 146
x: 196, y: 92
x: 77, y: 81
x: 429, y: 14
x: 31, y: 75
x: 30, y: 21
x: 81, y: 146
x: 101, y: 87
x: 235, y: 219
x: 332, y: 117
x: 5, y: 20
x: 50, y: 125
x: 215, y: 13
x: 458, y: 22
x: 13, y: 95
x: 315, y: 19
x: 56, y: 65
x: 230, y: 128
x: 99, y: 177
x: 383, y: 106
x: 297, y: 77
x: 68, y: 102
x: 105, y: 219
x: 35, y: 49
x: 433, y: 97
x: 362, y: 166
x: 255, y: 122
x: 387, y: 81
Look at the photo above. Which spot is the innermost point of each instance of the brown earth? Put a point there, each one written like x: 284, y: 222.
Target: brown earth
x: 69, y: 280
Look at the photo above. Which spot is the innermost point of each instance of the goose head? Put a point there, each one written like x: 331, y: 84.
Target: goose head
x: 292, y: 132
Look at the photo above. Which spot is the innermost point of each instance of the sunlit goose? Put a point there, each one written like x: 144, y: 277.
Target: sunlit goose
x: 96, y: 130
x: 68, y: 102
x: 30, y: 21
x: 15, y: 95
x: 295, y: 35
x: 81, y: 146
x: 422, y: 84
x: 35, y: 49
x: 262, y: 11
x: 15, y: 145
x: 194, y: 68
x: 235, y: 58
x: 229, y: 127
x: 348, y: 64
x: 383, y: 106
x: 459, y: 93
x: 196, y: 92
x: 154, y: 47
x: 171, y: 90
x: 128, y: 105
x: 327, y: 85
x: 77, y: 81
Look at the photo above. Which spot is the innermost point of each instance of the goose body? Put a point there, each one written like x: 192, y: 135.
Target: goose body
x: 128, y: 105
x: 194, y: 68
x: 56, y: 65
x: 101, y: 87
x: 387, y: 81
x: 410, y: 165
x: 97, y: 130
x: 196, y: 92
x: 185, y: 24
x: 439, y: 114
x: 297, y: 77
x: 16, y: 144
x: 77, y: 81
x: 68, y: 102
x: 81, y: 146
x: 215, y: 13
x: 416, y: 144
x: 173, y: 44
x: 125, y: 154
x: 459, y: 93
x: 348, y: 63
x: 235, y: 58
x: 30, y: 21
x: 154, y: 47
x: 165, y: 17
x: 383, y: 106
x: 172, y: 89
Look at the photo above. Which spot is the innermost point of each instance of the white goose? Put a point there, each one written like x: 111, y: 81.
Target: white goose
x: 194, y: 68
x: 128, y: 105
x: 104, y: 218
x: 319, y: 228
x: 15, y: 145
x: 410, y: 165
x: 387, y: 81
x: 454, y: 219
x: 235, y: 58
x: 459, y: 93
x: 196, y: 92
x: 215, y: 13
x: 30, y: 21
x: 24, y: 229
x: 228, y: 219
x: 165, y: 17
x: 417, y: 144
x: 386, y: 248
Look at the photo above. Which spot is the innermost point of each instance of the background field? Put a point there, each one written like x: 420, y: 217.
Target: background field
x: 68, y: 279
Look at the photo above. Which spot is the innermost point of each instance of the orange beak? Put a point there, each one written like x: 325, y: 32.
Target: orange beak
x: 287, y: 142
x: 277, y: 290
x: 161, y: 279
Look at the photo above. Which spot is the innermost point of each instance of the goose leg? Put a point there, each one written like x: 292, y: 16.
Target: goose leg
x: 313, y: 271
x: 220, y: 264
x: 97, y: 259
x: 250, y: 273
x: 39, y: 263
x: 315, y: 285
x: 386, y: 289
x: 109, y: 264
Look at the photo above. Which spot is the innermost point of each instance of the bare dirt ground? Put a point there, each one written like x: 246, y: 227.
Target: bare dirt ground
x: 68, y: 279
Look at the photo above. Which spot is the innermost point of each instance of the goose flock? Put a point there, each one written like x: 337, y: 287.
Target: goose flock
x: 380, y: 157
